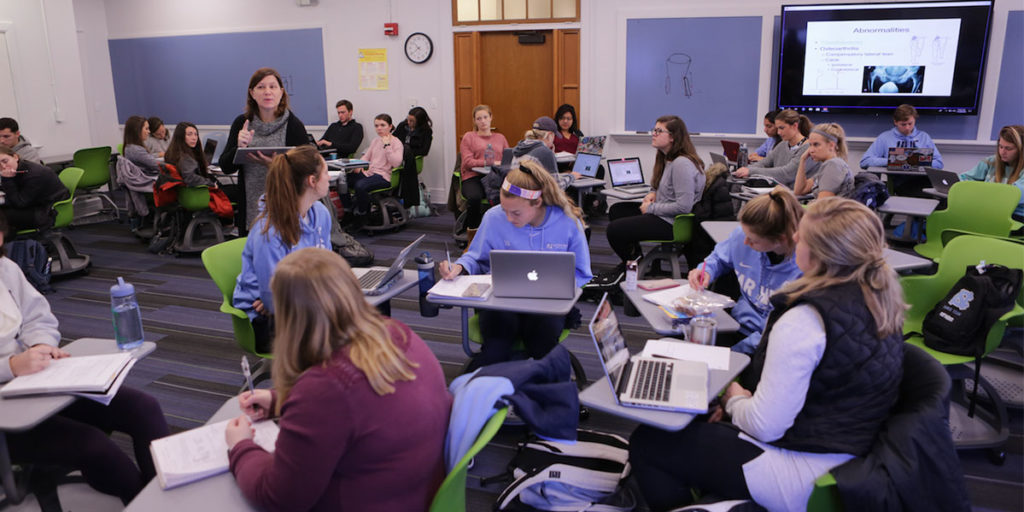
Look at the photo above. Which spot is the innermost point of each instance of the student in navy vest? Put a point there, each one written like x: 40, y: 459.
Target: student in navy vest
x: 818, y: 388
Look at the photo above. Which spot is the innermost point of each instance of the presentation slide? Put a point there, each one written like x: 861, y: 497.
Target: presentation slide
x: 882, y: 58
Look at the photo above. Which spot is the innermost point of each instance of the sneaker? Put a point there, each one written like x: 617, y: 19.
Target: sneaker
x: 608, y: 279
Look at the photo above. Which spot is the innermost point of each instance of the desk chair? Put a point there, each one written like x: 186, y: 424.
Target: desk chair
x: 682, y: 232
x: 202, y: 221
x: 459, y: 230
x: 475, y: 336
x: 92, y: 206
x: 392, y: 214
x: 451, y: 496
x: 976, y: 207
x: 224, y: 262
x: 66, y: 258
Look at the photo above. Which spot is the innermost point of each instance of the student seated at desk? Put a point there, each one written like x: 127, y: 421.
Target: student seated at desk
x: 472, y: 149
x: 10, y: 136
x: 136, y: 132
x: 292, y: 218
x: 534, y: 215
x: 77, y: 436
x: 568, y: 134
x: 30, y: 189
x: 818, y: 387
x: 159, y: 137
x: 185, y: 153
x: 344, y: 135
x: 384, y: 154
x: 536, y: 145
x: 760, y: 251
x: 362, y: 401
x: 416, y: 133
x: 827, y: 146
x: 1006, y: 165
x: 782, y: 161
x: 771, y: 141
x: 903, y: 135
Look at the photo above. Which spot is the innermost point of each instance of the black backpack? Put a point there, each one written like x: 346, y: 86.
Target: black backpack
x: 33, y: 260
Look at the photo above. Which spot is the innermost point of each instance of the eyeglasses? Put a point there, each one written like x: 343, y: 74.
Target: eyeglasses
x: 658, y: 131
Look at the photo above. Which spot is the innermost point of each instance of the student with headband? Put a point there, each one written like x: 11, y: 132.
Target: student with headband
x: 534, y: 215
x: 826, y: 145
x: 760, y: 252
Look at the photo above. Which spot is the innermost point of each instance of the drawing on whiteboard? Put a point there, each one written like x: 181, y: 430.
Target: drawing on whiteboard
x: 682, y: 62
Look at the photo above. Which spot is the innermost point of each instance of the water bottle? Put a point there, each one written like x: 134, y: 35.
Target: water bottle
x: 127, y: 316
x: 631, y: 274
x: 489, y: 156
x: 741, y: 157
x: 425, y: 265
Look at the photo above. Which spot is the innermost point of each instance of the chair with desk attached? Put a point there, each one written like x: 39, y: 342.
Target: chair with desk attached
x: 451, y: 496
x: 184, y: 218
x: 670, y: 250
x: 975, y: 207
x: 390, y: 213
x: 66, y: 258
x: 91, y: 205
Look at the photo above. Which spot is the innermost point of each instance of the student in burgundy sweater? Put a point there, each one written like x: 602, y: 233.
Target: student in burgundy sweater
x: 362, y: 401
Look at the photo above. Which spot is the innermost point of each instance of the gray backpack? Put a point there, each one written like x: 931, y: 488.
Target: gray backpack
x: 355, y: 253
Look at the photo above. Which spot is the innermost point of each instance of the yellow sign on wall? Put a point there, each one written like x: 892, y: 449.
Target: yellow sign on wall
x: 373, y: 69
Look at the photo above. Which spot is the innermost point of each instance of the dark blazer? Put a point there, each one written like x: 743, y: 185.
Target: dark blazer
x: 415, y: 143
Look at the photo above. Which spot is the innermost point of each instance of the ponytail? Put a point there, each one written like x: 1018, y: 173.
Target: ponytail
x: 286, y: 181
x: 775, y: 215
x: 531, y: 175
x: 790, y: 116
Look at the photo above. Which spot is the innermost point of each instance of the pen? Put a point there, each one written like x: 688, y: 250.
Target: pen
x: 448, y: 256
x: 248, y: 375
x: 703, y: 264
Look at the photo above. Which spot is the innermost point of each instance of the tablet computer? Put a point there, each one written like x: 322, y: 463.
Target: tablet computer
x: 242, y: 154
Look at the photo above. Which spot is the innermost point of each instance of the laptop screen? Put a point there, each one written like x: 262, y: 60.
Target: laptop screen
x: 209, y: 149
x: 611, y: 344
x: 731, y: 149
x: 592, y: 145
x: 625, y: 171
x: 587, y: 164
x: 403, y: 256
x: 909, y: 158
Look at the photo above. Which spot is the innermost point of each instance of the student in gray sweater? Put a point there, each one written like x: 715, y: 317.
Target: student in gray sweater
x: 136, y: 131
x: 783, y: 159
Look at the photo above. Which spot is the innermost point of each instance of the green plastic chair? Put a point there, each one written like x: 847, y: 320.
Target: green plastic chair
x: 386, y: 203
x: 682, y: 232
x: 66, y: 258
x: 825, y: 495
x: 475, y: 336
x: 95, y: 162
x: 451, y: 496
x: 196, y: 201
x: 973, y: 206
x: 224, y: 262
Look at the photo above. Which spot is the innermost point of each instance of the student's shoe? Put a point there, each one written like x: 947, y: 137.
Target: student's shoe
x: 608, y: 279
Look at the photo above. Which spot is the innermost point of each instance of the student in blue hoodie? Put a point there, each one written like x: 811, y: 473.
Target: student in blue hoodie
x: 760, y: 251
x: 292, y: 217
x: 534, y: 215
x: 903, y: 135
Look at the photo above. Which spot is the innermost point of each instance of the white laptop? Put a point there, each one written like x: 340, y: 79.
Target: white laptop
x: 377, y: 280
x: 533, y: 274
x: 646, y: 382
x: 941, y: 180
x: 627, y: 176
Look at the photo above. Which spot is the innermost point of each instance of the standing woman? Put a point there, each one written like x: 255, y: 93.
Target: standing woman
x: 567, y: 138
x: 384, y: 154
x: 267, y: 122
x: 362, y: 402
x: 136, y: 132
x: 818, y: 388
x: 827, y: 146
x: 1006, y: 165
x: 472, y: 149
x: 30, y: 189
x: 677, y: 184
x: 782, y: 161
x: 416, y: 133
x: 159, y: 138
x: 292, y: 218
x: 534, y: 215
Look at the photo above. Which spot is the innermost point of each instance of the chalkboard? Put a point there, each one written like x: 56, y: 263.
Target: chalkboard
x: 705, y: 70
x: 203, y: 78
x: 1010, y: 99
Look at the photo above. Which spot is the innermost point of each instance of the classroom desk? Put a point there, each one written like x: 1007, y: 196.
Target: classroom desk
x: 599, y: 396
x: 625, y: 196
x: 530, y: 306
x: 584, y: 184
x: 484, y: 169
x: 661, y: 323
x: 909, y: 206
x: 719, y: 230
x: 58, y: 162
x: 935, y: 193
x: 24, y: 413
x: 896, y: 172
x: 565, y: 158
x: 408, y: 279
x: 219, y: 492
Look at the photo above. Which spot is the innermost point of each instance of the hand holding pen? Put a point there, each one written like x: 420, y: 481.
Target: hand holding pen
x: 255, y: 403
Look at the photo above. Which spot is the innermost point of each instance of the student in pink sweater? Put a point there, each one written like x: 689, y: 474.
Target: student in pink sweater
x: 384, y: 154
x: 362, y: 401
x: 473, y: 146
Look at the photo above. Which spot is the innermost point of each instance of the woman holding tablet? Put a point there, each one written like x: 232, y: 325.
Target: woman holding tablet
x: 781, y: 162
x: 827, y: 146
x: 818, y: 388
x: 534, y: 215
x: 362, y: 401
x: 473, y: 149
x: 1006, y: 165
x: 267, y: 122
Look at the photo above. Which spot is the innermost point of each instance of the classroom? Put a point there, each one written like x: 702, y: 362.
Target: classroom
x: 72, y: 72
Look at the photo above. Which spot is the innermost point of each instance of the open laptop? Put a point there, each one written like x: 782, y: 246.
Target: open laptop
x: 909, y: 159
x: 587, y: 164
x: 533, y: 274
x: 647, y: 382
x: 731, y: 149
x: 941, y: 180
x: 209, y: 149
x: 627, y: 176
x: 377, y: 280
x: 592, y: 145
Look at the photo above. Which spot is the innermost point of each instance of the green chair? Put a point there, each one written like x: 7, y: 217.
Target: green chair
x: 682, y: 232
x: 973, y: 206
x: 989, y: 427
x: 91, y: 205
x: 392, y: 214
x: 65, y: 256
x: 825, y: 495
x: 224, y: 262
x: 204, y: 227
x: 451, y: 496
x: 475, y: 336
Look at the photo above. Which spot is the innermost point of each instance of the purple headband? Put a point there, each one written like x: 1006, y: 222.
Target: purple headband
x: 521, y: 192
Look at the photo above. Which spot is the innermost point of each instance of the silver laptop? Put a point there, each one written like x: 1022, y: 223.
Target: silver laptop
x: 377, y: 280
x: 627, y: 176
x: 533, y: 274
x: 646, y: 382
x: 909, y: 159
x: 587, y: 164
x: 941, y: 180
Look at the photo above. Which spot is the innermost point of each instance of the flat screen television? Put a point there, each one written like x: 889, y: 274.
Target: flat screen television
x: 871, y: 57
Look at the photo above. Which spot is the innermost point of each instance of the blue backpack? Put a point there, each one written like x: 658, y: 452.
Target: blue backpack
x: 34, y: 262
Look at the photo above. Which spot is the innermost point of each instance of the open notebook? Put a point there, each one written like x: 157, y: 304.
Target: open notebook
x: 201, y: 452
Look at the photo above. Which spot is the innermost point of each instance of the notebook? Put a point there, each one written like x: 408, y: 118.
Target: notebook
x: 646, y: 382
x: 533, y: 274
x: 909, y: 159
x: 210, y: 149
x: 377, y: 280
x: 941, y: 180
x: 95, y: 374
x: 731, y: 149
x: 587, y: 164
x: 201, y: 452
x: 627, y: 175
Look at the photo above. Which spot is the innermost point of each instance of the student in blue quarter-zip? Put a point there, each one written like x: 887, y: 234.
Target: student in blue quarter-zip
x: 291, y: 217
x: 760, y: 251
x: 1005, y: 166
x: 534, y: 215
x: 903, y: 135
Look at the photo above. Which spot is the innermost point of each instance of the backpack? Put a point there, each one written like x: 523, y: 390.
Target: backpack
x: 869, y: 190
x: 31, y: 257
x: 424, y: 209
x: 166, y: 231
x: 355, y: 253
x: 584, y: 476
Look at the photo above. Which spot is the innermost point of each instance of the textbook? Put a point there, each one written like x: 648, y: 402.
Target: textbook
x: 72, y: 375
x: 476, y: 287
x: 200, y: 453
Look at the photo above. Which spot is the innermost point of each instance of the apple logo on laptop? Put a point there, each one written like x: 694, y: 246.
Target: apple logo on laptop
x: 945, y: 181
x: 532, y: 275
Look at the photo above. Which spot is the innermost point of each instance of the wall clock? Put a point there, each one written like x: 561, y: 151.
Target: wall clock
x: 419, y: 47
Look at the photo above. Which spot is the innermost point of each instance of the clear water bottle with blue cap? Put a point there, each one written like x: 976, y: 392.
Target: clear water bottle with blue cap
x: 127, y: 315
x: 425, y: 266
x: 489, y: 156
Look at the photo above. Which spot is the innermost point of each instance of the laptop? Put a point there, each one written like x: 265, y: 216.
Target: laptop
x: 731, y: 149
x: 377, y: 280
x: 941, y: 180
x: 587, y: 164
x: 533, y: 274
x: 909, y: 159
x: 646, y: 382
x: 627, y: 176
x: 592, y: 145
x: 209, y: 149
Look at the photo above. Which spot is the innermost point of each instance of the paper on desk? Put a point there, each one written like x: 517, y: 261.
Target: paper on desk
x: 81, y: 373
x: 105, y: 398
x: 707, y: 299
x: 717, y: 358
x: 464, y: 287
x: 201, y: 452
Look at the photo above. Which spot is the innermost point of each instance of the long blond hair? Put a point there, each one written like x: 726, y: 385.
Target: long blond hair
x: 847, y: 243
x: 285, y: 183
x: 536, y: 177
x: 1014, y: 134
x: 775, y: 215
x: 321, y: 309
